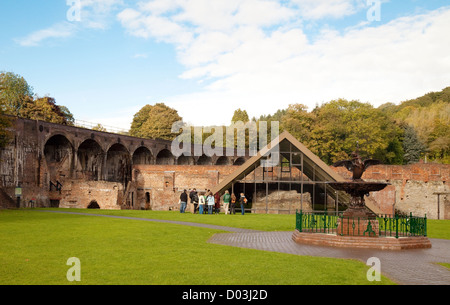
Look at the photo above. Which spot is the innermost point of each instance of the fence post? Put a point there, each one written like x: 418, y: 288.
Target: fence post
x: 425, y: 225
x: 300, y: 220
x: 396, y: 226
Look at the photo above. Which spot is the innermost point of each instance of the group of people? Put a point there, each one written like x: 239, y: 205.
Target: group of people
x: 206, y: 200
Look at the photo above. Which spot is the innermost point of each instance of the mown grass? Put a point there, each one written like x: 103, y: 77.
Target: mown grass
x: 438, y: 228
x: 35, y: 246
x: 263, y: 222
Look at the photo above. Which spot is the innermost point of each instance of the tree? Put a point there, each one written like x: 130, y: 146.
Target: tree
x: 298, y: 122
x: 14, y: 92
x: 340, y: 125
x: 412, y: 145
x: 240, y: 116
x: 45, y: 109
x: 99, y: 127
x: 155, y: 122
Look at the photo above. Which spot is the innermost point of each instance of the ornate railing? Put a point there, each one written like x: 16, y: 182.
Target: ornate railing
x: 383, y: 226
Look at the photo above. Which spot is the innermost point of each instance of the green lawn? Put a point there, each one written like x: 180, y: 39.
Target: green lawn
x: 438, y: 228
x: 35, y: 246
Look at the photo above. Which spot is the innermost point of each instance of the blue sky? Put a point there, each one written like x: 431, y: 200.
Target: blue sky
x: 207, y: 58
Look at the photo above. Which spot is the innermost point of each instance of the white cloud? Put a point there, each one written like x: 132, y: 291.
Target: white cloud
x: 318, y: 9
x: 265, y: 63
x: 58, y: 30
x: 93, y: 14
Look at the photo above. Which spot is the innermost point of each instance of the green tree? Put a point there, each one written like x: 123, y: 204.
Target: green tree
x: 340, y: 125
x: 240, y: 116
x: 298, y: 122
x: 412, y: 145
x: 14, y: 92
x: 155, y: 122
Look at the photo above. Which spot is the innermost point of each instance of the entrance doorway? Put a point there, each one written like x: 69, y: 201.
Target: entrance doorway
x: 93, y: 205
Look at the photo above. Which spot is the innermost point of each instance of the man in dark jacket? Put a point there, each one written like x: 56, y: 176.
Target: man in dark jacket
x: 183, y: 201
x: 193, y: 195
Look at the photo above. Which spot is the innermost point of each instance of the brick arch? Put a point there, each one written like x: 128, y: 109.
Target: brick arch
x: 185, y: 160
x: 142, y: 155
x: 239, y: 161
x: 223, y: 160
x: 118, y: 164
x: 68, y: 136
x: 90, y: 158
x: 204, y: 160
x: 58, y: 153
x: 165, y: 157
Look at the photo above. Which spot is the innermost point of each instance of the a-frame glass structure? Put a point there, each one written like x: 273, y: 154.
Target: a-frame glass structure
x: 297, y: 181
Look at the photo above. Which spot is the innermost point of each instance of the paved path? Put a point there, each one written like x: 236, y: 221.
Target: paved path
x: 410, y: 267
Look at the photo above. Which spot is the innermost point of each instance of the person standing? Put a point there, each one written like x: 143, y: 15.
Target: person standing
x: 242, y: 201
x: 194, y: 199
x: 217, y: 203
x: 183, y: 201
x: 210, y: 201
x: 233, y: 204
x: 226, y: 201
x: 201, y: 203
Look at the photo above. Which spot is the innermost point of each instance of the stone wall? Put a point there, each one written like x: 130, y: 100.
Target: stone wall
x: 412, y: 188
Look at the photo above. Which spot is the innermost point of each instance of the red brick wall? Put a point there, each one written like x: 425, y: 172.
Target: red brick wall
x: 164, y: 183
x: 412, y: 188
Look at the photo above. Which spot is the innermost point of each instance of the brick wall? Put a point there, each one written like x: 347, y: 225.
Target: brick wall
x: 164, y: 183
x: 412, y: 188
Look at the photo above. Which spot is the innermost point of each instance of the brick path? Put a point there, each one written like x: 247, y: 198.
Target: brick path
x: 409, y: 267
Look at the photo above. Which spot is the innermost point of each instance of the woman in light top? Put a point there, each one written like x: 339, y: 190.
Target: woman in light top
x: 211, y: 202
x: 201, y: 203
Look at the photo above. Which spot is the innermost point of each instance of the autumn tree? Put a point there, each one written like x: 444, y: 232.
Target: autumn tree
x: 46, y: 109
x: 155, y: 122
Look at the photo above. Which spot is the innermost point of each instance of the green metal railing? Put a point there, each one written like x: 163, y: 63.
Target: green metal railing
x: 388, y: 225
x: 316, y: 222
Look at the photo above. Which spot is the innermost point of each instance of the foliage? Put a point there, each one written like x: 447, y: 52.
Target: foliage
x: 298, y: 122
x: 17, y: 99
x: 45, y: 109
x: 412, y: 145
x: 155, y: 122
x: 14, y: 92
x: 429, y: 116
x: 337, y: 128
x: 99, y: 127
x: 240, y: 116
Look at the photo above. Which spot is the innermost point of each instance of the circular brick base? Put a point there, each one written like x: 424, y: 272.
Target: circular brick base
x: 382, y: 243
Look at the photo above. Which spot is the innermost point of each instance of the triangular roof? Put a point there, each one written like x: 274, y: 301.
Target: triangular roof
x: 311, y: 163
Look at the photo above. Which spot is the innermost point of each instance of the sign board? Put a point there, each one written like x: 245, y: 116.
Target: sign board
x: 18, y: 191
